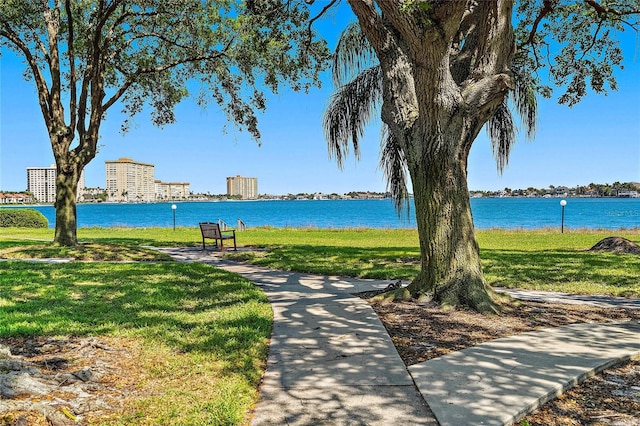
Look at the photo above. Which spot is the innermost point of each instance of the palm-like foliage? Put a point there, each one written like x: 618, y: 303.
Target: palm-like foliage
x: 357, y: 76
x: 501, y: 127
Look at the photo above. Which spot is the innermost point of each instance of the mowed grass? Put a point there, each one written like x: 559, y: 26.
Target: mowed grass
x: 203, y: 332
x: 538, y: 259
x: 548, y: 260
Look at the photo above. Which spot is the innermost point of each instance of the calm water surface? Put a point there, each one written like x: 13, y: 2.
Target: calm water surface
x: 507, y: 213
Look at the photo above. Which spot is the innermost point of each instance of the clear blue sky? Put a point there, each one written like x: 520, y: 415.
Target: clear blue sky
x: 595, y: 141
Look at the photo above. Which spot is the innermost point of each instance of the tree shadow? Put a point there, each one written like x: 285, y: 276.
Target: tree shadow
x: 192, y: 308
x: 617, y: 274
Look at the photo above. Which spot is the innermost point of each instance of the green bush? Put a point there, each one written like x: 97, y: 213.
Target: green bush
x: 22, y: 218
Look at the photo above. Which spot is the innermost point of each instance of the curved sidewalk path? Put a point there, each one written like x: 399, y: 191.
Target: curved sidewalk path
x: 331, y: 361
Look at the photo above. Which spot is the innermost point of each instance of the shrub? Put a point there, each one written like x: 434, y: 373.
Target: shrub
x: 22, y: 218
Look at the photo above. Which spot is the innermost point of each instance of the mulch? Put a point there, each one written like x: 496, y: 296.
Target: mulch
x: 423, y: 331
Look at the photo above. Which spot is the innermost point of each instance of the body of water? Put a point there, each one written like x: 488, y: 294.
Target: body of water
x: 506, y: 213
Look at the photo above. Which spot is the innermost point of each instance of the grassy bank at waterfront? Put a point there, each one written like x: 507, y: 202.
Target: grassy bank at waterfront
x: 540, y: 259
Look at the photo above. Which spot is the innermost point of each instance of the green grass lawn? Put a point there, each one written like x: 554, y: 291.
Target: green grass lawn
x: 210, y: 328
x: 213, y: 326
x: 541, y: 259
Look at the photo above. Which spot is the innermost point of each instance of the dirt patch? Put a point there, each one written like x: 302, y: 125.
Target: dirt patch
x: 616, y: 245
x: 66, y: 381
x: 423, y: 331
x: 611, y: 398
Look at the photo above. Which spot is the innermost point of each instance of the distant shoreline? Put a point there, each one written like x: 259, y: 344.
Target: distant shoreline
x: 312, y: 199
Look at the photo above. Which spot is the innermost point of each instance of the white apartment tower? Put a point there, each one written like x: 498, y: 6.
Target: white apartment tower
x: 41, y: 182
x: 243, y: 186
x: 130, y: 181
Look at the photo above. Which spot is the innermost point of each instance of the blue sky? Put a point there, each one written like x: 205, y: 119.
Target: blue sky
x: 597, y: 141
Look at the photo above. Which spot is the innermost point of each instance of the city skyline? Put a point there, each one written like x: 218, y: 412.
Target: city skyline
x: 597, y: 140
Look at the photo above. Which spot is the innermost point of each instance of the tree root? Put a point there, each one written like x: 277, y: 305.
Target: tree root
x: 52, y: 414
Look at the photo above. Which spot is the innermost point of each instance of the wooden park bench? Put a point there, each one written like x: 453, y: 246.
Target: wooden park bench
x: 212, y: 231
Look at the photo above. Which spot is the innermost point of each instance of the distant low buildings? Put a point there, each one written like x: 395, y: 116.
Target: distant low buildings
x: 172, y: 190
x: 15, y: 198
x: 245, y: 187
x: 41, y: 183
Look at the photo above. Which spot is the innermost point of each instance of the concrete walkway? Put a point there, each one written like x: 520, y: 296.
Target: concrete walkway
x: 331, y: 362
x: 499, y: 382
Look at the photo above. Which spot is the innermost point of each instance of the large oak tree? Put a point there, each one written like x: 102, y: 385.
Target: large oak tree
x: 440, y: 71
x: 87, y: 56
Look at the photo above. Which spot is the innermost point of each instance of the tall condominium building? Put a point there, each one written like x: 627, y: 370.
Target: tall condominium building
x: 130, y: 181
x: 41, y: 182
x: 172, y: 190
x: 243, y: 186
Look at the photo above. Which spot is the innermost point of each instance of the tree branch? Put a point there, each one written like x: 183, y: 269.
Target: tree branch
x: 41, y: 84
x: 322, y: 12
x: 604, y: 11
x: 72, y: 67
x: 547, y: 6
x: 52, y: 23
x: 131, y: 79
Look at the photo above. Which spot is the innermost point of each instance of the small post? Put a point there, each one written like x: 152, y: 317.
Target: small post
x: 174, y: 207
x: 562, y: 204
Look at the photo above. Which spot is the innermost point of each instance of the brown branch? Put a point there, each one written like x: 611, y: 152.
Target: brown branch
x: 547, y: 6
x: 593, y: 40
x: 134, y: 76
x: 41, y: 84
x: 371, y: 23
x: 82, y: 105
x: 52, y: 23
x: 604, y: 11
x: 72, y: 67
x: 319, y: 15
x: 121, y: 19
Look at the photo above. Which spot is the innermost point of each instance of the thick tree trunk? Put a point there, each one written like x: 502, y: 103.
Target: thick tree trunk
x: 451, y: 273
x: 445, y: 68
x: 66, y: 219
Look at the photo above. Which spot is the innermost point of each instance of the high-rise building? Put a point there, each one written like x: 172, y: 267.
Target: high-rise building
x: 130, y: 181
x: 41, y: 182
x: 172, y: 190
x: 246, y: 187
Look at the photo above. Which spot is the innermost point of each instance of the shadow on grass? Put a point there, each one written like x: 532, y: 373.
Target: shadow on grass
x: 192, y: 308
x: 142, y: 241
x: 568, y: 271
x: 571, y: 271
x: 83, y: 251
x: 362, y: 262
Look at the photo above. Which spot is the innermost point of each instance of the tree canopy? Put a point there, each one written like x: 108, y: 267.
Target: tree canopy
x: 85, y: 57
x: 143, y: 53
